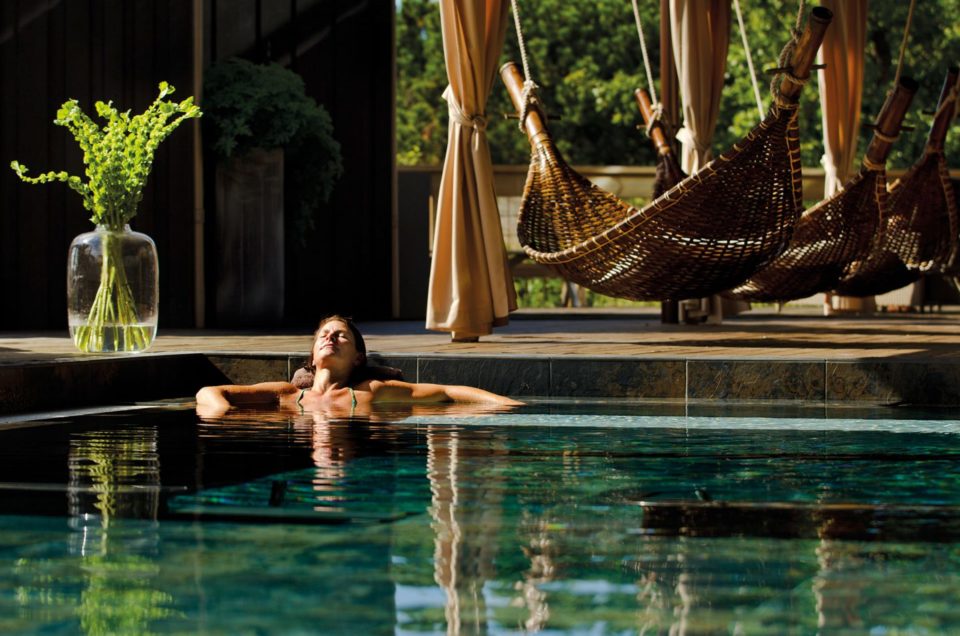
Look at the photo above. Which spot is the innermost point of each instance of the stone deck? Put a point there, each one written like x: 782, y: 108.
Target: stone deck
x: 882, y: 359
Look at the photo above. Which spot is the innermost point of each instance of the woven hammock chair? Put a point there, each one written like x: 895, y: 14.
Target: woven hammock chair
x: 706, y: 234
x: 918, y: 226
x: 839, y: 230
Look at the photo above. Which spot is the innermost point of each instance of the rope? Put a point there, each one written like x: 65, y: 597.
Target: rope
x: 949, y: 103
x: 646, y: 57
x: 903, y: 43
x: 882, y: 136
x: 787, y: 54
x: 528, y: 95
x: 746, y: 48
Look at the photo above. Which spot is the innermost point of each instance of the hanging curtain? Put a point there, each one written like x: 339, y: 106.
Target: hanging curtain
x: 701, y: 35
x: 841, y: 89
x: 471, y: 289
x: 700, y: 32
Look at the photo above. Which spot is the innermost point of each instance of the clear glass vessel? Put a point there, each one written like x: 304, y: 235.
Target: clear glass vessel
x: 112, y: 291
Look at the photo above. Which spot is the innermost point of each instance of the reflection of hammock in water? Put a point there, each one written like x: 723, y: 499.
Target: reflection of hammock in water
x: 918, y: 231
x: 839, y: 230
x: 706, y: 234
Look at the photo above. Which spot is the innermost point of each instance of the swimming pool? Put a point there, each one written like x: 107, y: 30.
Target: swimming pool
x: 600, y: 518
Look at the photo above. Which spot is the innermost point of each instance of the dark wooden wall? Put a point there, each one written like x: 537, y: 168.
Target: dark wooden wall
x: 343, y: 49
x: 90, y: 50
x: 52, y: 50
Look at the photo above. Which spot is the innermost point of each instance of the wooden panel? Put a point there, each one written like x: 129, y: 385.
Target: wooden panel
x: 56, y: 160
x: 236, y: 26
x: 9, y: 183
x: 353, y: 82
x: 175, y: 208
x: 34, y: 126
x: 250, y: 236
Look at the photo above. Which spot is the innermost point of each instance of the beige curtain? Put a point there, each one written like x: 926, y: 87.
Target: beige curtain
x: 700, y: 32
x: 701, y: 36
x: 841, y: 88
x: 471, y: 289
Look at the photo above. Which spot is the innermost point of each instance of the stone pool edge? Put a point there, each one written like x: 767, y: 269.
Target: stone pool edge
x: 50, y: 385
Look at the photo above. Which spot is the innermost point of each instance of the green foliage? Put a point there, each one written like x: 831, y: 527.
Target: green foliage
x: 265, y: 106
x: 543, y: 292
x: 932, y: 47
x: 421, y: 112
x: 586, y: 58
x: 118, y: 156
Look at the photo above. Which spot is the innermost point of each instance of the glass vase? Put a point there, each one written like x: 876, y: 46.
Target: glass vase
x: 112, y: 291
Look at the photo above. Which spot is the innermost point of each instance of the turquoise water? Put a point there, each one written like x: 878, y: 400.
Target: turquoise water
x: 555, y: 519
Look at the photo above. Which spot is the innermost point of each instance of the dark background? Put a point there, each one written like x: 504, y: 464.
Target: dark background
x: 54, y: 50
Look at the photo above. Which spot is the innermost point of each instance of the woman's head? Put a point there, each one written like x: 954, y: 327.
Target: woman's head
x: 337, y: 341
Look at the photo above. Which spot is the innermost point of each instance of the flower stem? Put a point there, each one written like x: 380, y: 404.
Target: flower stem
x: 113, y: 321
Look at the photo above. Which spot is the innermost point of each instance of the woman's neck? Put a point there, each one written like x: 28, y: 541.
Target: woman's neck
x: 327, y: 379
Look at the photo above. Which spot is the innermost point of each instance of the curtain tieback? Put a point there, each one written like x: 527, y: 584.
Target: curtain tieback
x: 690, y: 140
x: 477, y: 122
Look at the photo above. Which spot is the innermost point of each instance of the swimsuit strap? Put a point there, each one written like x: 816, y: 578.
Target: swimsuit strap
x: 301, y: 396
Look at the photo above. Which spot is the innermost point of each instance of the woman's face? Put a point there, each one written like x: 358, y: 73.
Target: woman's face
x: 335, y: 346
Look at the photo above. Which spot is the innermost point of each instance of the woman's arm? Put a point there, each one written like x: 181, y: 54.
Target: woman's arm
x: 227, y: 395
x: 398, y: 391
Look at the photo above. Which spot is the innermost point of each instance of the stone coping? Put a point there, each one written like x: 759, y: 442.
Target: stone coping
x: 44, y: 386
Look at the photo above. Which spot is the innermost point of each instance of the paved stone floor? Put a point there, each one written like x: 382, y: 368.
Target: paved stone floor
x: 756, y: 335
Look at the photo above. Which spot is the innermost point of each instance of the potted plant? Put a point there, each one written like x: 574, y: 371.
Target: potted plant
x: 277, y: 163
x: 252, y: 107
x: 112, y: 271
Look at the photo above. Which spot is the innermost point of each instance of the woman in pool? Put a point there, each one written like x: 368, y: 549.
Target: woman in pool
x: 342, y: 380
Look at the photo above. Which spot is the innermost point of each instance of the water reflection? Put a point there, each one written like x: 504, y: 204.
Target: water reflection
x: 113, y: 474
x: 467, y: 525
x: 111, y: 559
x: 407, y: 520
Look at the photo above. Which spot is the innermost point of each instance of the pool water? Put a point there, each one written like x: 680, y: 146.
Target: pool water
x: 557, y: 518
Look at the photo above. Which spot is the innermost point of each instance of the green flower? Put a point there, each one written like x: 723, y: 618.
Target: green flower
x: 118, y: 156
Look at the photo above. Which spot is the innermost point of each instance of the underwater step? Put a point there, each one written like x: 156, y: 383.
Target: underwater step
x: 851, y: 521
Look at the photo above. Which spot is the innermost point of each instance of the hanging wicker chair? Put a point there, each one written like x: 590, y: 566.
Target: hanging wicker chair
x: 839, y: 230
x: 918, y: 231
x: 708, y: 233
